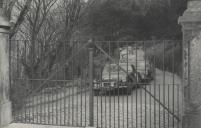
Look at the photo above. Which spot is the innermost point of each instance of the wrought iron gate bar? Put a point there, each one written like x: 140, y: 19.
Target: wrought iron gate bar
x: 42, y: 80
x: 53, y: 74
x: 157, y: 100
x: 105, y: 84
x: 138, y: 42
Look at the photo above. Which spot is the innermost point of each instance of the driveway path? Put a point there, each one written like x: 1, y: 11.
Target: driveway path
x: 136, y: 110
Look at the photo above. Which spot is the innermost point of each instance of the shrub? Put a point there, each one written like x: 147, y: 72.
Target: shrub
x: 168, y: 55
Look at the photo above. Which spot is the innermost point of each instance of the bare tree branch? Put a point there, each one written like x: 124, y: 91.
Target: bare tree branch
x: 20, y: 18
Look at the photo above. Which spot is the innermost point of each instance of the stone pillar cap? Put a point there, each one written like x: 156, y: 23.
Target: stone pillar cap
x: 4, y: 23
x: 193, y: 12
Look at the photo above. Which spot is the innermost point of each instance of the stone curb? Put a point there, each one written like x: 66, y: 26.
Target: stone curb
x: 20, y: 125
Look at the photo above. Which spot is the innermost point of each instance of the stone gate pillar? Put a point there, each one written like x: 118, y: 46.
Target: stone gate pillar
x: 5, y: 104
x: 191, y: 27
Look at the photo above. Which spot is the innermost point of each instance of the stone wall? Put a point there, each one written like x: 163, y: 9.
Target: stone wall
x: 4, y: 67
x: 5, y: 104
x: 195, y: 71
x: 191, y: 26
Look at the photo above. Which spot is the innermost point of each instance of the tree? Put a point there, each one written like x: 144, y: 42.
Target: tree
x: 132, y: 20
x: 40, y: 33
x: 48, y: 29
x: 9, y: 8
x: 109, y: 20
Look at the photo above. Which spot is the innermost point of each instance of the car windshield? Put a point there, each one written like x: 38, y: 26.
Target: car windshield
x: 113, y: 68
x: 112, y: 71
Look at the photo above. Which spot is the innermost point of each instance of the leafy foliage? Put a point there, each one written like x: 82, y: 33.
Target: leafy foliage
x: 113, y: 20
x: 167, y: 54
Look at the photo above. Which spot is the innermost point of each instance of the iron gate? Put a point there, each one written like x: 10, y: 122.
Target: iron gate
x: 133, y: 84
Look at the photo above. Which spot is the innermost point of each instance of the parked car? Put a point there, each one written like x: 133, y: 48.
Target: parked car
x: 131, y: 72
x: 136, y: 57
x: 116, y: 79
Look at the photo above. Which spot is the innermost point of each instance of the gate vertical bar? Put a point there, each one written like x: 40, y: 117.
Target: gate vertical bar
x: 109, y: 50
x: 164, y: 68
x: 91, y: 95
x: 155, y: 87
x: 173, y: 86
x: 136, y: 54
x: 118, y: 86
x: 127, y: 83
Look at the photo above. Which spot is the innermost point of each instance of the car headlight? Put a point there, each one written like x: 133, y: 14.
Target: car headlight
x: 112, y: 84
x: 96, y: 84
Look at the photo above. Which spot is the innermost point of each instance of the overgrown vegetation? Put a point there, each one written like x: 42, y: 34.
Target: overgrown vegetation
x: 167, y: 54
x: 128, y: 20
x: 125, y: 20
x: 50, y: 28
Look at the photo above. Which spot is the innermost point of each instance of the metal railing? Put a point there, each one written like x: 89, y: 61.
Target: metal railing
x: 1, y: 3
x: 133, y: 84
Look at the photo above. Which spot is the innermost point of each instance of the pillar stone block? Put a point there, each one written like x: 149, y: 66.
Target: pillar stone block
x: 191, y: 27
x: 5, y: 104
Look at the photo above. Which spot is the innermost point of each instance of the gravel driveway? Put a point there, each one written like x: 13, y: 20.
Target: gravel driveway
x: 140, y: 109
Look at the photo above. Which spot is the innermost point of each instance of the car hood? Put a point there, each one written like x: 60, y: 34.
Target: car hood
x: 114, y: 77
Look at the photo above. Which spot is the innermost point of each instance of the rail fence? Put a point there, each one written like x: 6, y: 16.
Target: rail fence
x: 130, y: 84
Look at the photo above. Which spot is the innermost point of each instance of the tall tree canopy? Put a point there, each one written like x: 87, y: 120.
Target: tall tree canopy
x: 11, y: 10
x: 112, y: 19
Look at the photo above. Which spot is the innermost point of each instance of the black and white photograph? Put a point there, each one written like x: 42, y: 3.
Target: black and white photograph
x: 100, y: 64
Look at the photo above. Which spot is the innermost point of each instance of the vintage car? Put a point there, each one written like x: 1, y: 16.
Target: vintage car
x: 116, y: 78
x: 136, y: 57
x: 132, y: 71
